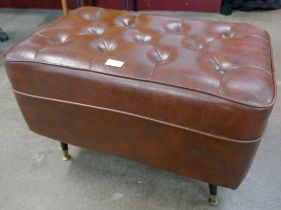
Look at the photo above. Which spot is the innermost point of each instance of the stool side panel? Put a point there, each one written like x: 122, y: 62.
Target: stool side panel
x: 216, y: 161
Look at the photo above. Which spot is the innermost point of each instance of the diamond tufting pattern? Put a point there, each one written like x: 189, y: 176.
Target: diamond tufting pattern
x: 211, y: 57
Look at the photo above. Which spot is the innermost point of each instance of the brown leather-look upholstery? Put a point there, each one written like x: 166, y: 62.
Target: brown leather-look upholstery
x: 193, y: 97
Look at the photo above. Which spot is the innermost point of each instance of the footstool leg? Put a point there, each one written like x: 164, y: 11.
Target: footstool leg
x: 213, y: 195
x: 66, y: 155
x: 64, y: 6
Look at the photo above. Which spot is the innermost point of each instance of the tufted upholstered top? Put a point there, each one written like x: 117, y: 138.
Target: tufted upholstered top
x: 228, y: 62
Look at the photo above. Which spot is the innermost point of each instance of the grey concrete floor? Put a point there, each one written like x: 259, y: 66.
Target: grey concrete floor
x: 33, y: 176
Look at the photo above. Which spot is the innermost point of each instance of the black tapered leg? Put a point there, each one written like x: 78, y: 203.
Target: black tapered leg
x: 213, y: 195
x: 64, y: 148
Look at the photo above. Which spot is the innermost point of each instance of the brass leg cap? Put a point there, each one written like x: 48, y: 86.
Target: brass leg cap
x: 213, y: 200
x: 66, y: 156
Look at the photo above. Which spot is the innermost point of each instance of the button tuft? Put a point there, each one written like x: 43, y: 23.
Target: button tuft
x: 107, y: 46
x: 97, y: 30
x: 143, y: 37
x: 161, y: 56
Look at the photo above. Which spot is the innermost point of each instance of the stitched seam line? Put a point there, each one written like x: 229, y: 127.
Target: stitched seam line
x: 139, y: 116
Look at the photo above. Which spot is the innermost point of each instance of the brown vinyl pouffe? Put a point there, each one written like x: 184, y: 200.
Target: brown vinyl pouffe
x: 188, y: 96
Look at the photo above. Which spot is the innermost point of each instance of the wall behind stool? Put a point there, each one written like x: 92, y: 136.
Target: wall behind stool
x: 176, y: 5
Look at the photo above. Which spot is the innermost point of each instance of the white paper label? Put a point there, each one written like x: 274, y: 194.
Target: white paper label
x: 115, y: 63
